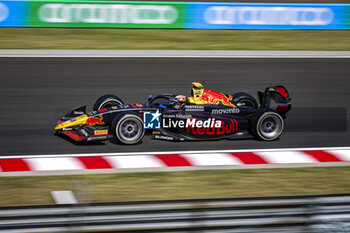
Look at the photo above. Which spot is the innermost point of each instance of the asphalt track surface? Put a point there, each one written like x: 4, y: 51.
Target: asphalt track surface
x: 35, y: 92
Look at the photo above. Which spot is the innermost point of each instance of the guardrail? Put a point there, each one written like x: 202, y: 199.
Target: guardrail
x: 186, y: 15
x: 313, y: 213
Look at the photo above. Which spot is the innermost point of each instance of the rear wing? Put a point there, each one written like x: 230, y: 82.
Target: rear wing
x: 280, y: 97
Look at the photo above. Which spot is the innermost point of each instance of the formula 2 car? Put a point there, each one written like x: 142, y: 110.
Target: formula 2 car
x: 205, y: 115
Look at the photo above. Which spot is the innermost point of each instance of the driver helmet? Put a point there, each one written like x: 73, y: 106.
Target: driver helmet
x: 180, y: 98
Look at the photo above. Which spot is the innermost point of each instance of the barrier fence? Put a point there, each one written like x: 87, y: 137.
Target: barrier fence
x: 293, y: 214
x: 185, y: 15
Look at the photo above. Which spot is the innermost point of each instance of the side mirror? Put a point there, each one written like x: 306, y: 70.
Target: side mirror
x: 149, y: 99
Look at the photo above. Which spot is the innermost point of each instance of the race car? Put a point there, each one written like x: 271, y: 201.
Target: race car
x: 204, y: 115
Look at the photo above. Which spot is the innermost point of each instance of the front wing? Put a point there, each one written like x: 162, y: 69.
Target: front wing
x: 86, y: 133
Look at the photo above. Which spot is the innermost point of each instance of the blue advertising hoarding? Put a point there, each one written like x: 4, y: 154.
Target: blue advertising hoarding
x: 201, y: 15
x: 266, y: 16
x: 13, y: 13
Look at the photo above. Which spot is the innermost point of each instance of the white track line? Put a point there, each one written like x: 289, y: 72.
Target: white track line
x: 170, y: 152
x: 172, y: 54
x: 214, y: 57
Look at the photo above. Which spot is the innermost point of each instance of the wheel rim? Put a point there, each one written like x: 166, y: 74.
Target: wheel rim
x: 270, y: 126
x: 130, y: 130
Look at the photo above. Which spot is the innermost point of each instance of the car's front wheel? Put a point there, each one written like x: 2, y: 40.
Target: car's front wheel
x: 106, y: 101
x: 267, y: 125
x: 128, y: 129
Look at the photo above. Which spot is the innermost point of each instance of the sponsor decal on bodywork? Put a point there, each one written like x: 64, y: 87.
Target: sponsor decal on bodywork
x: 210, y: 126
x: 191, y: 122
x: 177, y: 115
x: 92, y: 121
x: 224, y: 128
x: 97, y: 138
x: 225, y: 111
x: 194, y: 108
x: 217, y: 98
x: 151, y: 120
x: 163, y: 137
x: 102, y: 110
x: 78, y: 113
x: 101, y: 132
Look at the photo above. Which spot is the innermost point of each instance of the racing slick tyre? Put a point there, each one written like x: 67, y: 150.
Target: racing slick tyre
x: 128, y: 128
x: 107, y: 101
x: 267, y: 125
x: 244, y: 100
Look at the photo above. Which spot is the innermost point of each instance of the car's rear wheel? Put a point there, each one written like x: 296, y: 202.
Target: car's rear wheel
x: 267, y: 125
x: 128, y: 129
x: 106, y: 101
x: 244, y: 100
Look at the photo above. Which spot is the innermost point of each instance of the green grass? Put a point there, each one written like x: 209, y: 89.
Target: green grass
x: 178, y: 185
x: 73, y: 38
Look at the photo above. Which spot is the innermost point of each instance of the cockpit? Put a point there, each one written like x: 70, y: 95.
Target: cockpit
x: 199, y: 95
